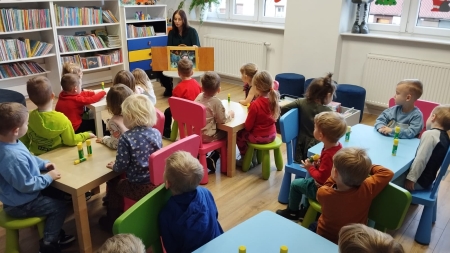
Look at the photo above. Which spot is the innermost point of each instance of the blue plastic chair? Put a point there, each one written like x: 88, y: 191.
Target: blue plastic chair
x: 289, y: 130
x: 428, y: 198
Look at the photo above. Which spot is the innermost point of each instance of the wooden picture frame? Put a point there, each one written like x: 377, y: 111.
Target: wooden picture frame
x: 175, y: 54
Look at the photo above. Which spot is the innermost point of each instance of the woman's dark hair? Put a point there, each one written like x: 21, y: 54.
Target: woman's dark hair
x: 183, y: 18
x: 319, y: 89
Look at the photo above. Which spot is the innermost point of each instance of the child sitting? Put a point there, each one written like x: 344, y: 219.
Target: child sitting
x: 116, y: 95
x: 189, y: 218
x: 72, y: 68
x: 122, y: 243
x: 347, y: 195
x: 188, y: 89
x: 125, y: 77
x: 431, y: 152
x: 404, y: 114
x: 72, y: 100
x: 319, y: 93
x: 359, y: 238
x: 143, y: 84
x: 328, y: 128
x: 134, y: 148
x: 48, y: 129
x: 248, y: 71
x: 21, y: 180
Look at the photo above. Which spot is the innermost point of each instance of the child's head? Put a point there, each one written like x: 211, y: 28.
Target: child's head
x: 329, y: 126
x: 138, y: 110
x: 440, y: 116
x: 14, y: 118
x: 122, y: 243
x: 72, y: 68
x: 183, y: 172
x: 115, y: 97
x: 39, y: 90
x: 351, y: 166
x: 248, y: 71
x: 71, y: 83
x: 263, y: 83
x: 321, y: 90
x: 359, y: 238
x: 125, y: 77
x: 141, y: 78
x: 408, y: 91
x: 210, y: 83
x: 185, y: 67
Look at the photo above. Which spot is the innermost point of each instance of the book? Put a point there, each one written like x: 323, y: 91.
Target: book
x: 93, y: 62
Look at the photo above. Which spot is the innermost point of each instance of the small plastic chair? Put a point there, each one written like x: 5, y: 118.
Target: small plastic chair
x: 12, y: 226
x: 191, y: 118
x: 264, y: 156
x: 428, y: 198
x: 289, y: 131
x: 159, y: 121
x: 157, y: 160
x: 141, y: 219
x: 426, y: 107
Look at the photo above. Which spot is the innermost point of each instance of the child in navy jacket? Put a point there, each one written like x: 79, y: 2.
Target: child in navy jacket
x: 189, y: 219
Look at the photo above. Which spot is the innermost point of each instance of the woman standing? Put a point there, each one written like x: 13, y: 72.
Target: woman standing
x: 181, y: 34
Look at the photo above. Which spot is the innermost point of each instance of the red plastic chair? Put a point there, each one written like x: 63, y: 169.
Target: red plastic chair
x: 160, y: 118
x: 191, y: 117
x: 426, y: 107
x: 157, y: 161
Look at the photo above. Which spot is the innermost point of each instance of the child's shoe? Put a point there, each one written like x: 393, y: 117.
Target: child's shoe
x: 293, y: 215
x: 52, y: 247
x: 65, y: 239
x: 211, y: 161
x: 166, y: 133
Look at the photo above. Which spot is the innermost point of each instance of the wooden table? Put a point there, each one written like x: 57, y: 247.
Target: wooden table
x: 79, y: 179
x: 232, y: 127
x: 267, y: 232
x: 97, y: 109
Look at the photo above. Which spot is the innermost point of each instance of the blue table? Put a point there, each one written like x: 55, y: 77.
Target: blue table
x: 379, y: 148
x: 267, y: 232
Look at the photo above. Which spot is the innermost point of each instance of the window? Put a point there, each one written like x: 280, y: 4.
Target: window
x: 250, y: 10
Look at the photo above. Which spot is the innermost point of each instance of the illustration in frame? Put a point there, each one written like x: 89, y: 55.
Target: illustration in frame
x: 175, y: 54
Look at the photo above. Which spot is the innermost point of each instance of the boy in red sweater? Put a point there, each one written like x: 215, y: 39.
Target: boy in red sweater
x: 188, y: 89
x: 329, y: 127
x: 72, y: 101
x: 347, y: 195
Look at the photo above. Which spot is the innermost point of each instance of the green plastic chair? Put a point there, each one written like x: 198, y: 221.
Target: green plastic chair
x: 264, y: 157
x: 12, y: 226
x: 141, y: 219
x: 388, y: 209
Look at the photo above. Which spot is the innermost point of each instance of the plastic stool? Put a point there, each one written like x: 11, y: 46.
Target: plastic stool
x: 291, y: 83
x: 12, y: 226
x: 351, y: 96
x: 307, y: 83
x: 264, y: 156
x: 174, y: 132
x: 311, y: 213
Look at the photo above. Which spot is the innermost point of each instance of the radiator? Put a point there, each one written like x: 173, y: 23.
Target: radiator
x: 382, y: 73
x: 230, y: 54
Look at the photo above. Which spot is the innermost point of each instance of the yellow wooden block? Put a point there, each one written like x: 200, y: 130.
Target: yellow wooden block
x: 139, y: 55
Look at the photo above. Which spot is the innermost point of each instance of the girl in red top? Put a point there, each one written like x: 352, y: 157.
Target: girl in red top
x: 262, y: 114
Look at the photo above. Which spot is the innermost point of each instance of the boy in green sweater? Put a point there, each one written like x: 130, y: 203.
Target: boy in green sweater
x: 48, y: 129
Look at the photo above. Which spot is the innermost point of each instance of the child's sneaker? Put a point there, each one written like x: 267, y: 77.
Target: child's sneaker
x: 65, y: 239
x: 52, y: 247
x: 211, y: 161
x: 289, y: 214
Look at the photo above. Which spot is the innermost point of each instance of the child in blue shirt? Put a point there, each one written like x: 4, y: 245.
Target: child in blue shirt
x: 189, y: 219
x: 21, y: 180
x: 404, y: 114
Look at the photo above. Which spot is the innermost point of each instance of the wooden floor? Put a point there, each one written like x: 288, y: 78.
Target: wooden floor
x: 247, y: 194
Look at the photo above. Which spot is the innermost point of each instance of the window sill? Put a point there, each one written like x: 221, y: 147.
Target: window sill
x: 405, y: 37
x: 242, y: 23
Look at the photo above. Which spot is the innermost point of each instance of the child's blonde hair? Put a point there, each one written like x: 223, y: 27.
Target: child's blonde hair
x: 249, y: 69
x: 332, y: 125
x: 183, y: 171
x: 115, y: 97
x: 125, y: 77
x: 320, y: 88
x: 263, y: 82
x: 185, y: 67
x: 414, y: 86
x: 358, y: 238
x: 138, y: 110
x: 69, y: 82
x: 210, y: 83
x: 353, y: 165
x: 72, y: 68
x: 142, y: 79
x: 442, y: 113
x: 39, y: 90
x: 122, y: 243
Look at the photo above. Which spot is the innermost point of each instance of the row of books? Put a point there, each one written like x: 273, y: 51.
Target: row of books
x: 72, y: 16
x: 80, y: 43
x: 140, y: 31
x: 96, y: 61
x: 110, y: 40
x: 20, y: 69
x: 19, y: 20
x: 13, y: 49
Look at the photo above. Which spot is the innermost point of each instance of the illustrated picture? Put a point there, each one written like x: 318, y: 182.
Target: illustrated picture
x: 175, y: 54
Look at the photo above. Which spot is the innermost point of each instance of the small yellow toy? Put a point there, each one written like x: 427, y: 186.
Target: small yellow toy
x: 314, y: 158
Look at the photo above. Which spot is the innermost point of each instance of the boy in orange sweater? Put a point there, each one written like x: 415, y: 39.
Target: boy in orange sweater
x: 347, y: 195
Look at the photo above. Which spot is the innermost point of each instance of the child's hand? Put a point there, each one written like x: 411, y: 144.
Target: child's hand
x: 50, y: 166
x: 110, y: 165
x: 231, y: 113
x: 306, y: 163
x: 99, y: 140
x: 91, y: 135
x: 409, y: 185
x: 242, y: 102
x: 385, y: 130
x: 54, y: 174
